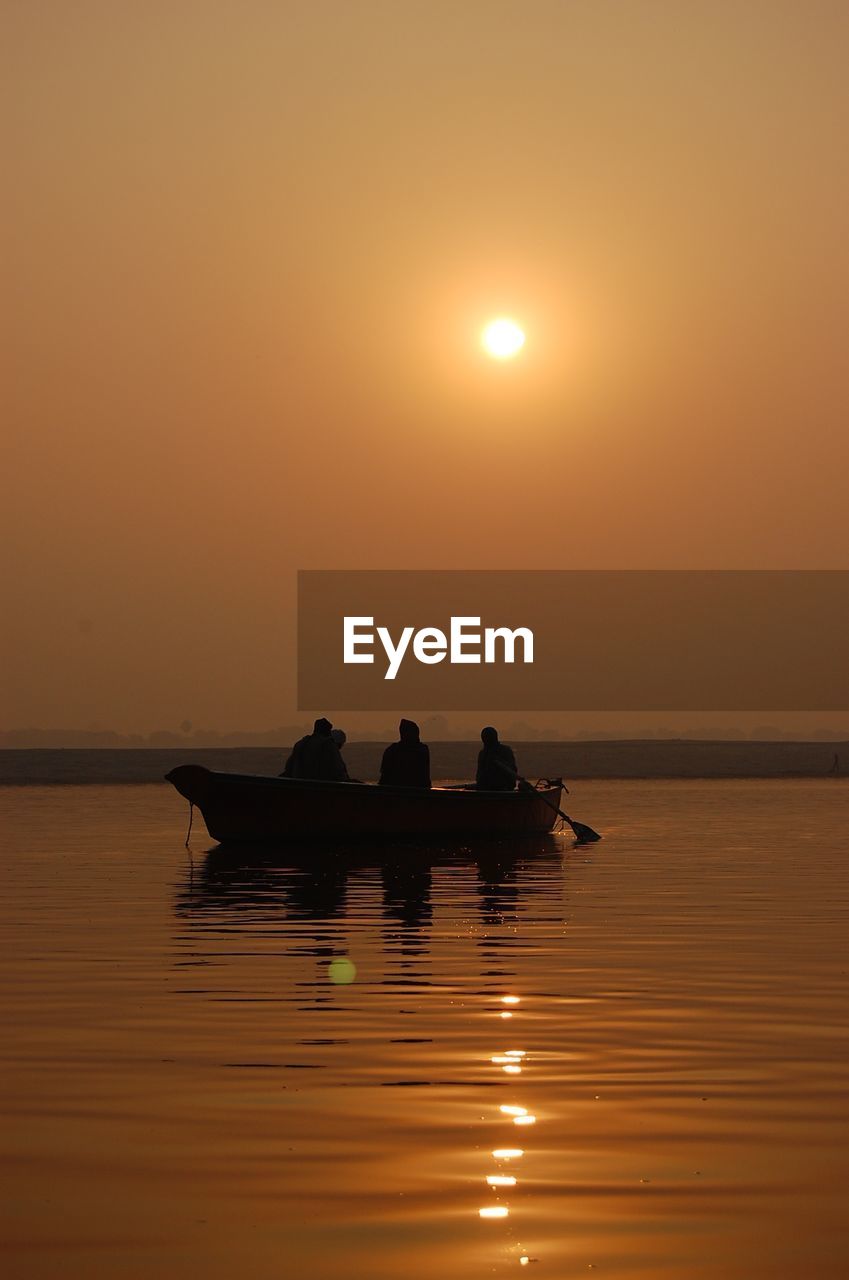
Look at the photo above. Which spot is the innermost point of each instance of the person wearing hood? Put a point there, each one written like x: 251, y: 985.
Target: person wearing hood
x: 316, y: 756
x: 406, y: 763
x: 497, y: 770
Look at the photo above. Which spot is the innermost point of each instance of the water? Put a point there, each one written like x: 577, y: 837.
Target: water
x: 193, y: 1086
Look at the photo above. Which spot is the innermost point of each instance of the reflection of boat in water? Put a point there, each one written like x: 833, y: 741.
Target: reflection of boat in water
x: 253, y: 886
x: 244, y: 807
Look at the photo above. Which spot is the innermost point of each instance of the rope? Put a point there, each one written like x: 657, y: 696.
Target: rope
x: 191, y: 816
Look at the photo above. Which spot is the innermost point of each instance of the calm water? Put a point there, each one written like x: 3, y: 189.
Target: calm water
x: 195, y: 1087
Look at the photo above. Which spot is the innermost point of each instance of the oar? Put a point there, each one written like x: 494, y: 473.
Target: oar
x: 582, y: 831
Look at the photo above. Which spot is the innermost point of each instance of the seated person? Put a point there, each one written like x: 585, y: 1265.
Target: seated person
x: 497, y: 770
x: 406, y: 763
x: 316, y: 756
x: 340, y: 737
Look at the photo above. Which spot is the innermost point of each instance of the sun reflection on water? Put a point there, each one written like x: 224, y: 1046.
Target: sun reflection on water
x: 511, y: 1062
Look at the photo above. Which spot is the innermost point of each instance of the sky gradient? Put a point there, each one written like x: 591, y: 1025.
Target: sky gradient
x: 248, y: 253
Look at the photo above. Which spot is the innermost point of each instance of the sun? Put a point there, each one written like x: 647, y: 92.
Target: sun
x: 502, y: 338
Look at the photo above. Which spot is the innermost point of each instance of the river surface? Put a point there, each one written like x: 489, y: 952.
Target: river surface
x: 304, y: 1067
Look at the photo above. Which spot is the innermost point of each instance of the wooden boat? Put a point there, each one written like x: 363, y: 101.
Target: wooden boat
x: 247, y: 807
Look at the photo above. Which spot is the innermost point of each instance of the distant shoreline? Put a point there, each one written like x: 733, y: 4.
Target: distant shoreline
x: 585, y: 759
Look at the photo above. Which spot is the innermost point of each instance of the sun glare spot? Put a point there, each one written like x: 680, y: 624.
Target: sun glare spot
x: 502, y: 339
x: 341, y: 971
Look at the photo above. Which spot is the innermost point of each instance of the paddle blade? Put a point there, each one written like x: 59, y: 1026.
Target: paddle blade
x: 583, y: 833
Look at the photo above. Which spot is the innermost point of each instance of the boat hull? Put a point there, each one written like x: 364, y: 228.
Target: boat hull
x: 244, y: 807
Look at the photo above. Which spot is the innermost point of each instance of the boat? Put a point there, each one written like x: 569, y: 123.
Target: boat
x: 239, y: 807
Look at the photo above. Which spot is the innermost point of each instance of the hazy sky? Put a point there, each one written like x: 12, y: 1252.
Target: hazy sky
x: 248, y: 252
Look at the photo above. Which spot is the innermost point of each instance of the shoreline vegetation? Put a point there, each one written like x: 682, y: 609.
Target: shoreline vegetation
x: 585, y: 759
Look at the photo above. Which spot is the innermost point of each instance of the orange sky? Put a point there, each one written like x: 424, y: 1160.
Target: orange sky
x: 248, y: 252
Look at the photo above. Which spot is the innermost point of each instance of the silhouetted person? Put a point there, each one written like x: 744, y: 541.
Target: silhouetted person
x: 406, y: 763
x: 316, y: 756
x: 340, y: 737
x: 497, y: 770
